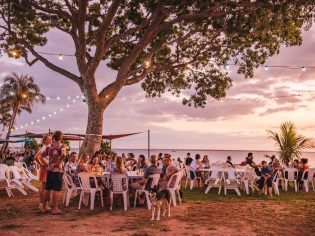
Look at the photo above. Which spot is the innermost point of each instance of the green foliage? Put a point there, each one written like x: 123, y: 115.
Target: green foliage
x: 32, y: 145
x: 5, y: 115
x: 68, y: 146
x: 20, y: 93
x: 105, y: 147
x: 169, y: 35
x: 289, y: 142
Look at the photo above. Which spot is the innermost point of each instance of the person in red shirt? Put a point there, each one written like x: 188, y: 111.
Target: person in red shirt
x: 56, y: 154
x: 302, y: 168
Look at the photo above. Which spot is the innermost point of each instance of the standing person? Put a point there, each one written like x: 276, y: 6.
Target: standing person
x: 46, y: 141
x: 188, y: 160
x: 56, y: 153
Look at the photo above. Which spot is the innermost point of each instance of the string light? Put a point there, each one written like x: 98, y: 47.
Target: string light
x: 147, y: 64
x: 38, y: 120
x: 60, y: 57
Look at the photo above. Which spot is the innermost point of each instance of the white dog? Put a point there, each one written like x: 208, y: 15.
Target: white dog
x: 160, y: 201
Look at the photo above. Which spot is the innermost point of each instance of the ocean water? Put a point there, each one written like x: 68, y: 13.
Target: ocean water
x: 214, y: 155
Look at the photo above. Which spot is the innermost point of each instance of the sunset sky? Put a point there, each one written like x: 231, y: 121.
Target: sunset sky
x: 229, y: 124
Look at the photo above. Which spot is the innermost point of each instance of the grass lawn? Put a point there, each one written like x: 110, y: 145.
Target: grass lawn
x: 288, y: 214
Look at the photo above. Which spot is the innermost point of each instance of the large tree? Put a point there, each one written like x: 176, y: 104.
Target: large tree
x: 167, y: 45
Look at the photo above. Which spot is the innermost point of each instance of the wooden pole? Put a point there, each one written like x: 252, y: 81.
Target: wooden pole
x: 148, y: 143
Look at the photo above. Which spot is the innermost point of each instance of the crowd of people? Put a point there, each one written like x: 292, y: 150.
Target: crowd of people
x: 265, y: 171
x: 54, y: 162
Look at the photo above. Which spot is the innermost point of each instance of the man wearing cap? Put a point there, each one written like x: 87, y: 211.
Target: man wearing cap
x: 152, y: 169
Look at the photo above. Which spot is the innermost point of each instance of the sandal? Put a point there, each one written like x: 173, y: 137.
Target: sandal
x: 57, y: 213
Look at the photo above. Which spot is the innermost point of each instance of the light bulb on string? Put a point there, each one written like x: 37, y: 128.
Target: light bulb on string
x: 60, y: 57
x: 61, y: 109
x: 266, y: 68
x: 69, y: 97
x: 67, y: 105
x: 48, y: 98
x: 303, y: 68
x: 43, y: 118
x: 32, y: 123
x: 36, y: 97
x: 38, y: 120
x: 147, y: 64
x: 49, y: 115
x: 55, y: 112
x: 77, y: 97
x: 58, y: 98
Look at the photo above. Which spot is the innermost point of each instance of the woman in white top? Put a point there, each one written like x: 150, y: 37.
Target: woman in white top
x: 195, y: 166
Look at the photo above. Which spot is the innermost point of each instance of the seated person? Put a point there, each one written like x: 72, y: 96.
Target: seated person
x: 302, y: 167
x: 295, y: 164
x: 71, y: 166
x: 119, y: 166
x: 169, y: 171
x: 153, y: 169
x: 229, y: 162
x: 141, y: 164
x: 120, y: 169
x: 94, y: 165
x: 205, y: 162
x: 131, y: 165
x: 111, y: 163
x: 188, y: 160
x: 265, y: 178
x: 195, y: 166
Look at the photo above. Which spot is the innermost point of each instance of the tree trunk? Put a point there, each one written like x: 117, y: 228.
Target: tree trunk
x: 6, y: 144
x: 94, y: 130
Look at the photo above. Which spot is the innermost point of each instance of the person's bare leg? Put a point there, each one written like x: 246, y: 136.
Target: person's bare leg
x: 45, y: 200
x: 55, y: 200
x: 270, y: 191
x: 41, y: 194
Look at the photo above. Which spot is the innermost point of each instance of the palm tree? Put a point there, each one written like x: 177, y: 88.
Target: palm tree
x: 289, y: 142
x: 19, y: 93
x: 5, y: 116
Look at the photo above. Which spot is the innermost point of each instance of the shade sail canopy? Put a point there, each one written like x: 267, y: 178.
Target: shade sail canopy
x: 111, y: 136
x: 72, y: 137
x: 26, y: 140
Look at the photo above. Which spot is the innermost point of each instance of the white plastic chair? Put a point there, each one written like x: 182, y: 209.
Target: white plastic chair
x: 86, y: 187
x: 231, y: 182
x: 20, y: 180
x: 193, y: 180
x: 154, y: 182
x: 117, y: 187
x: 290, y: 175
x: 175, y: 189
x: 275, y: 184
x: 70, y: 187
x: 214, y: 180
x: 248, y: 179
x: 5, y: 179
x: 187, y: 174
x: 310, y: 179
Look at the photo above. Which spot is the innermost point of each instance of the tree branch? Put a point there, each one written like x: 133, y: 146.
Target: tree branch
x: 101, y: 34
